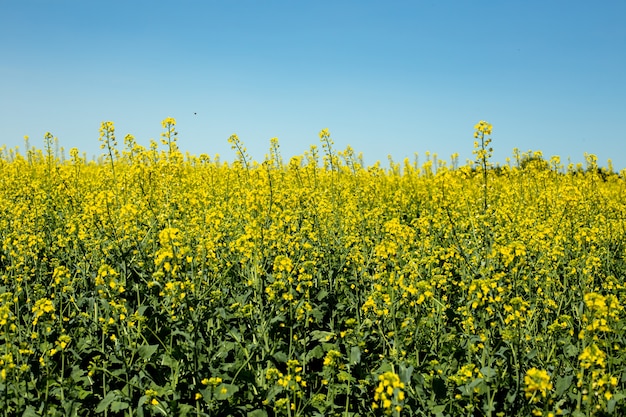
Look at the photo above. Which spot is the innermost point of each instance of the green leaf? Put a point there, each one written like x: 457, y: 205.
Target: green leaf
x: 257, y: 413
x: 321, y: 295
x: 82, y: 393
x: 226, y: 348
x: 322, y: 336
x: 281, y: 357
x: 571, y: 351
x: 343, y: 376
x: 438, y: 409
x: 610, y: 405
x: 272, y: 393
x: 115, y: 360
x: 317, y: 314
x: 531, y: 355
x: 563, y: 384
x: 355, y: 355
x: 384, y: 367
x: 477, y: 386
x: 145, y: 351
x: 185, y: 410
x: 119, y: 405
x: 405, y: 374
x: 225, y: 391
x: 235, y: 334
x: 206, y: 394
x: 142, y: 401
x: 316, y: 353
x: 30, y: 412
x: 104, y: 404
x: 488, y: 372
x: 167, y: 360
x: 78, y: 374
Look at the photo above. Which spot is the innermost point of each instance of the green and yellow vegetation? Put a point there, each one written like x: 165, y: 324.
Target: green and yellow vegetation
x: 150, y: 282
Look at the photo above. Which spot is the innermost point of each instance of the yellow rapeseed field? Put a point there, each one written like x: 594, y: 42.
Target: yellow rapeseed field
x: 151, y: 282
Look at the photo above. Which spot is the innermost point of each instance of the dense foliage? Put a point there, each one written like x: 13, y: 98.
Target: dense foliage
x: 155, y: 283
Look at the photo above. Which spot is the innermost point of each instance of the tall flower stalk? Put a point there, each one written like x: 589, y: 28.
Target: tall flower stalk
x: 109, y: 143
x: 170, y: 136
x: 483, y: 153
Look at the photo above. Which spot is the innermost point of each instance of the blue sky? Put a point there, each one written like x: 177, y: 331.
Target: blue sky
x: 387, y: 78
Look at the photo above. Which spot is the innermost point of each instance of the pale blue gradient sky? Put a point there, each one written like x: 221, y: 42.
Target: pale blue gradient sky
x: 394, y: 77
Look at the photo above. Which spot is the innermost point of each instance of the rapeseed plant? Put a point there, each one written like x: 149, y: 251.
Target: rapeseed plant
x: 537, y: 384
x: 152, y: 282
x: 389, y: 395
x: 483, y: 153
x: 169, y: 137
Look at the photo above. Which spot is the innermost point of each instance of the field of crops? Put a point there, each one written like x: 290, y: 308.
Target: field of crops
x: 150, y: 282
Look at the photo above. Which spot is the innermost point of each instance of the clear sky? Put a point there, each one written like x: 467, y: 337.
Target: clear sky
x: 385, y: 77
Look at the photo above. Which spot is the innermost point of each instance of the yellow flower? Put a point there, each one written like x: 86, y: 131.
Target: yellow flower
x: 536, y: 381
x: 592, y: 355
x: 331, y: 357
x: 389, y: 395
x: 483, y: 127
x: 42, y: 306
x: 213, y: 381
x: 63, y: 341
x: 595, y: 302
x: 150, y: 393
x: 168, y: 121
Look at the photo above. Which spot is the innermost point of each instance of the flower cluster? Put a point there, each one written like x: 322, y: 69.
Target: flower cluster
x: 537, y: 384
x: 389, y: 395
